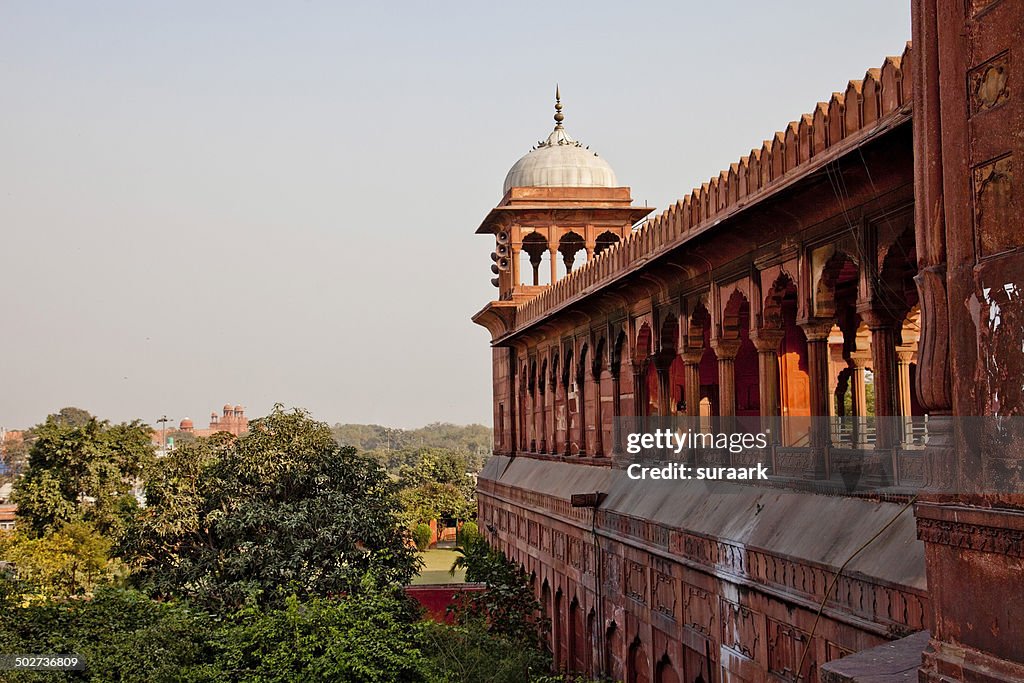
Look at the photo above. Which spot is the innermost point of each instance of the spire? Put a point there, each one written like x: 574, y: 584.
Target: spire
x: 559, y: 117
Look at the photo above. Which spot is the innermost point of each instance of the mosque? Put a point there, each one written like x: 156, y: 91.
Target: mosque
x: 855, y: 279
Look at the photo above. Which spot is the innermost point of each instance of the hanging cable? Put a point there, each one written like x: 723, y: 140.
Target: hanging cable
x: 835, y: 579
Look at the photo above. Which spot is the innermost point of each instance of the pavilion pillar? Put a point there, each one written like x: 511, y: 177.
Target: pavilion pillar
x: 516, y: 277
x: 543, y: 416
x: 552, y: 389
x: 904, y: 357
x: 817, y: 332
x: 725, y: 350
x: 531, y: 420
x: 616, y: 407
x: 691, y: 388
x: 581, y: 403
x: 766, y: 341
x: 553, y: 251
x: 567, y: 446
x: 598, y: 427
x: 883, y: 328
x: 662, y: 365
x: 859, y: 361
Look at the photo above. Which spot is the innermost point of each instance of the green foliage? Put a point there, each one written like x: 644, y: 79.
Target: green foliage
x: 81, y: 469
x: 474, y: 440
x: 435, y: 485
x: 507, y: 605
x: 470, y: 653
x: 436, y: 465
x: 468, y: 534
x: 435, y: 501
x: 13, y: 458
x: 421, y: 534
x: 281, y: 510
x: 122, y: 635
x: 125, y: 636
x: 70, y: 562
x: 365, y: 637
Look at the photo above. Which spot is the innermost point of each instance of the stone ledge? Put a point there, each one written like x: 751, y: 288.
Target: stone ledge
x: 895, y: 662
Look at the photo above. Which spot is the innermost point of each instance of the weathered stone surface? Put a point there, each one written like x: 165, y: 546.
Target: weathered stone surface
x: 895, y: 662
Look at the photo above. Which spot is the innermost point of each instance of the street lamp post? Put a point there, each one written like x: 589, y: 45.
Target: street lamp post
x: 163, y: 432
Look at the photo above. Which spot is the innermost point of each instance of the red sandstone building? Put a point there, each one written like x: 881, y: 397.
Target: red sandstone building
x: 878, y: 236
x: 232, y: 420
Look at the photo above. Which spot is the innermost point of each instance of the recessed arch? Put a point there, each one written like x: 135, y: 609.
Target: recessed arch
x: 604, y: 241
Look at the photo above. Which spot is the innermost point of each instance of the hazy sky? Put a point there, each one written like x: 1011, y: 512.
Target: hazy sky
x: 254, y: 202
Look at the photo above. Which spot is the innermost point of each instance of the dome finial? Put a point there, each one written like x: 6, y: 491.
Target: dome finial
x: 559, y: 117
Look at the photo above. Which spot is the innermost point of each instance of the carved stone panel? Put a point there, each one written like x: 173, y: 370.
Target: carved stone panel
x: 636, y: 581
x: 612, y: 567
x: 989, y: 83
x: 786, y: 645
x: 664, y: 594
x: 575, y: 552
x: 698, y: 609
x: 993, y: 188
x: 558, y: 539
x: 740, y: 630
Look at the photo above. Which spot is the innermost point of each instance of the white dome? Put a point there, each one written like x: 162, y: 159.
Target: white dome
x: 560, y: 161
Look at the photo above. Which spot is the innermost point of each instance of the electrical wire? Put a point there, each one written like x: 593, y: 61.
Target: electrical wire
x: 835, y: 579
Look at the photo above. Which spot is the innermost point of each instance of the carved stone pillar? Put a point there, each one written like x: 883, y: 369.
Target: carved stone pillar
x: 552, y: 389
x: 883, y: 360
x: 598, y: 427
x: 543, y: 415
x: 616, y: 371
x: 883, y: 365
x: 662, y: 363
x: 766, y: 341
x: 553, y: 257
x: 904, y: 357
x: 967, y: 195
x: 859, y: 361
x: 567, y: 446
x: 817, y: 331
x: 581, y: 404
x: 691, y: 371
x: 535, y: 259
x: 725, y: 350
x: 514, y: 258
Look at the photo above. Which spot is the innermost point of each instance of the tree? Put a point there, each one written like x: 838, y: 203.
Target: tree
x: 365, y: 637
x: 435, y: 501
x: 71, y: 417
x: 69, y: 562
x: 507, y: 605
x: 13, y: 458
x: 280, y: 510
x: 81, y: 470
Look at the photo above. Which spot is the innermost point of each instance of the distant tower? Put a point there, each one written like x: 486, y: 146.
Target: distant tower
x: 559, y: 200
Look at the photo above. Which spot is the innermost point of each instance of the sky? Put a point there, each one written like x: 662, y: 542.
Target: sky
x: 275, y: 202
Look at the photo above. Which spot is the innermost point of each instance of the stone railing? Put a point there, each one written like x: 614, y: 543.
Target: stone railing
x: 842, y: 122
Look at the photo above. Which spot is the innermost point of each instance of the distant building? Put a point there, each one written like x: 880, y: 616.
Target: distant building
x: 7, y: 517
x: 231, y: 420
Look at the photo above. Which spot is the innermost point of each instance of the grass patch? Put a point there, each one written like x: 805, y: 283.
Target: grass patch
x: 436, y: 563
